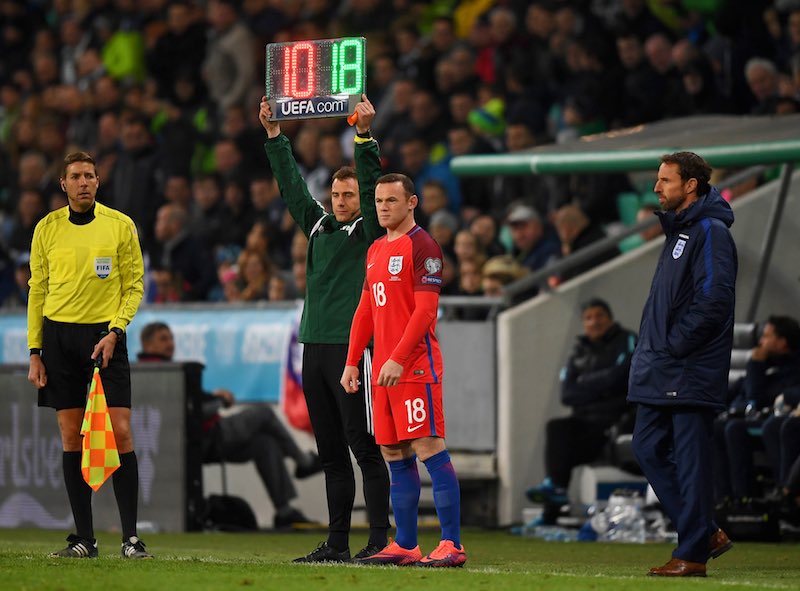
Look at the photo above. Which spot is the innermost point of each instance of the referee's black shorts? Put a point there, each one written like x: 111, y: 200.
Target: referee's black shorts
x: 66, y: 353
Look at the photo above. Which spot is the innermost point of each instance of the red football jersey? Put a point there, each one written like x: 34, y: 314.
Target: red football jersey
x: 395, y: 270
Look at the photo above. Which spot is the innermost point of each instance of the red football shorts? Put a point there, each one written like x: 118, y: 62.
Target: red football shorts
x: 409, y: 410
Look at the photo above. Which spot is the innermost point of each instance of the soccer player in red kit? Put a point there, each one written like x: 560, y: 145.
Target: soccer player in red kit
x: 398, y: 308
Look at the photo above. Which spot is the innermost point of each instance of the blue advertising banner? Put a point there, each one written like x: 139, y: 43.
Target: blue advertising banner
x: 243, y: 350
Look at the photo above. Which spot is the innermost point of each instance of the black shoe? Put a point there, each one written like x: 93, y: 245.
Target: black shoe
x: 133, y: 547
x: 367, y: 551
x: 77, y: 548
x: 313, y: 466
x: 324, y: 553
x: 290, y: 518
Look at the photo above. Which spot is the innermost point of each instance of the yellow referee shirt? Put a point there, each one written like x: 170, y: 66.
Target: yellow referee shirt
x: 84, y: 274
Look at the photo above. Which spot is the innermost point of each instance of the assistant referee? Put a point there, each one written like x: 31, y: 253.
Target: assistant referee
x: 86, y: 285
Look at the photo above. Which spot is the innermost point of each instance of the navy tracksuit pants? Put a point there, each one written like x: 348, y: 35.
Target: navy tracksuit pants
x: 673, y: 445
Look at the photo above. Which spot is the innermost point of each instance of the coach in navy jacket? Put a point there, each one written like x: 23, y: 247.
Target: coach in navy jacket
x: 679, y: 371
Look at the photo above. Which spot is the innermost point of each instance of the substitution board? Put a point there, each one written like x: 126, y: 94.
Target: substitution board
x: 316, y: 78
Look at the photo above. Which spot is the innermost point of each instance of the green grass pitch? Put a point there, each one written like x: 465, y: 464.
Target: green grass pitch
x: 497, y: 561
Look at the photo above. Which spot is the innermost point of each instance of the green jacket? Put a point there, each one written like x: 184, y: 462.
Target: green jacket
x: 336, y: 252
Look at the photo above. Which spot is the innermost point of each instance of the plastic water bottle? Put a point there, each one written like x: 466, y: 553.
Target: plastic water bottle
x: 638, y: 529
x: 625, y: 521
x: 599, y: 522
x: 528, y: 530
x: 555, y: 533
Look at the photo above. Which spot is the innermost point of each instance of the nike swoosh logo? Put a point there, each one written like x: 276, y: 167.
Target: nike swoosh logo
x: 412, y: 429
x: 370, y: 265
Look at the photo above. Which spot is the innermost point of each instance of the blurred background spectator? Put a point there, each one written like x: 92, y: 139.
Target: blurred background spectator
x: 165, y: 95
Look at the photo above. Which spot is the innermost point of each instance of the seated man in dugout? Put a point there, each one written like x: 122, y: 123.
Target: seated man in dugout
x: 594, y: 383
x: 255, y: 433
x: 773, y: 371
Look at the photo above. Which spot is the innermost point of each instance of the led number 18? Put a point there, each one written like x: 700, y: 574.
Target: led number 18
x: 341, y: 64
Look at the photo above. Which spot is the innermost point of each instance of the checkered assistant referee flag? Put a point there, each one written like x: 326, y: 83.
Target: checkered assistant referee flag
x: 99, y: 457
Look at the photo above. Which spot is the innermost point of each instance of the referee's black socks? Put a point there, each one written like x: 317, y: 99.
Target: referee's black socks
x: 126, y: 490
x: 79, y: 493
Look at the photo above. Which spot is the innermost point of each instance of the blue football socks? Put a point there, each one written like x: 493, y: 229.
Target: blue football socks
x: 404, y: 492
x: 446, y: 495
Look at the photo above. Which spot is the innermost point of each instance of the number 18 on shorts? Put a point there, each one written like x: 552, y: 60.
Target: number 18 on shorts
x: 409, y: 410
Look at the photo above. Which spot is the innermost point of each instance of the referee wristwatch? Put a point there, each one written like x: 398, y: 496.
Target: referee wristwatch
x: 117, y: 331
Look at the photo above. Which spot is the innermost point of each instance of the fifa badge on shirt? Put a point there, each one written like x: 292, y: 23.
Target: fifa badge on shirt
x: 678, y: 250
x: 102, y: 266
x: 395, y: 264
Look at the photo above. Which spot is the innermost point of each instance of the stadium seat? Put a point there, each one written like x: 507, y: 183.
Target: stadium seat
x: 745, y: 337
x: 627, y: 206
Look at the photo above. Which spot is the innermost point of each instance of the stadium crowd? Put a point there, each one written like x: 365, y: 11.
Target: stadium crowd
x: 166, y: 95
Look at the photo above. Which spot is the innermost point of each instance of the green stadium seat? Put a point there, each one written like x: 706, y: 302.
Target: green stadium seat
x: 630, y: 243
x: 627, y: 206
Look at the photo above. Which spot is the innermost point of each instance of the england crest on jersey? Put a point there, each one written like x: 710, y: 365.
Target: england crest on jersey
x: 395, y: 264
x: 679, y: 247
x: 102, y: 267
